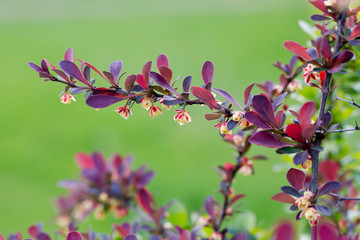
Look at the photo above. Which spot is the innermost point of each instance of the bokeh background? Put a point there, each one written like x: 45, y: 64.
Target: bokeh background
x: 39, y: 135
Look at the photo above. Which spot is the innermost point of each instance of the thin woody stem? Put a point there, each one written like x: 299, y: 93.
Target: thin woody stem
x: 347, y: 101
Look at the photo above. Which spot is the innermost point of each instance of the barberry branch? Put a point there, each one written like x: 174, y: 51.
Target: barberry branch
x: 347, y: 101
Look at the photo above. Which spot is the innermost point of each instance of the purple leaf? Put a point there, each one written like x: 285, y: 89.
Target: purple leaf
x: 290, y: 190
x: 162, y: 60
x: 335, y: 69
x: 256, y: 119
x: 86, y: 73
x: 313, y: 53
x: 109, y: 76
x: 205, y: 96
x: 162, y: 82
x: 296, y: 178
x: 344, y: 57
x: 300, y: 157
x: 284, y: 230
x: 247, y: 93
x: 277, y: 101
x: 263, y: 106
x: 115, y: 69
x: 355, y: 42
x: 145, y: 179
x: 102, y: 101
x: 326, y: 48
x: 35, y: 67
x: 99, y: 161
x: 44, y: 66
x: 329, y: 187
x: 73, y: 70
x: 130, y: 237
x: 166, y: 73
x: 207, y: 72
x: 42, y: 236
x: 145, y: 72
x: 187, y: 84
x: 297, y: 49
x: 145, y: 200
x: 62, y: 75
x: 268, y: 140
x: 72, y: 184
x: 74, y: 236
x: 240, y: 236
x: 129, y: 82
x: 317, y: 17
x: 69, y: 55
x: 323, y: 209
x: 209, y: 205
x: 227, y: 96
x: 231, y: 125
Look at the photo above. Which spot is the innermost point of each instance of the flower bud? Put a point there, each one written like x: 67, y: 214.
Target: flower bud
x: 237, y: 116
x: 66, y: 98
x: 146, y: 102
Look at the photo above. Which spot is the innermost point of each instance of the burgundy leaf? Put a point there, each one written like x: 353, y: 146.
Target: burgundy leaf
x: 102, y: 101
x: 343, y: 57
x: 329, y: 169
x: 355, y: 32
x: 205, y: 96
x: 327, y: 231
x: 256, y: 119
x: 268, y: 140
x: 129, y: 82
x: 297, y: 49
x: 284, y: 230
x: 162, y: 60
x: 263, y: 106
x: 209, y: 205
x: 308, y: 133
x: 326, y: 48
x: 115, y: 69
x: 162, y: 82
x: 145, y: 179
x: 212, y: 116
x: 319, y: 4
x: 69, y: 55
x: 335, y: 69
x: 300, y: 157
x: 99, y: 161
x: 306, y: 113
x: 109, y: 76
x: 145, y: 200
x: 187, y: 84
x: 73, y: 70
x: 62, y: 75
x: 207, y: 72
x: 141, y: 81
x: 317, y: 17
x: 145, y: 72
x: 296, y: 178
x: 283, y: 198
x: 325, y: 210
x: 290, y: 190
x: 236, y: 198
x: 44, y: 66
x: 166, y: 73
x: 227, y: 96
x: 130, y: 237
x: 247, y: 93
x: 280, y: 118
x: 74, y: 236
x: 329, y: 187
x: 35, y: 67
x: 33, y: 231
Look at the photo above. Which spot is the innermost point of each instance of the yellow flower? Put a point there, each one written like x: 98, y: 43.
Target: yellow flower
x: 146, y: 102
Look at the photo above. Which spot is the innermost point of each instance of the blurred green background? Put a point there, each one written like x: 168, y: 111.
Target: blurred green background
x: 39, y: 135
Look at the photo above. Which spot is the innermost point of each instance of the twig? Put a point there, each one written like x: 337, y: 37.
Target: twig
x: 347, y: 101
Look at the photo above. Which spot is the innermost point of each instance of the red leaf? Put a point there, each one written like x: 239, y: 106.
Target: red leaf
x: 283, y: 198
x: 205, y: 96
x: 236, y: 198
x: 141, y: 81
x: 120, y: 230
x: 129, y: 82
x: 325, y: 48
x: 33, y: 231
x: 256, y: 119
x: 327, y: 231
x: 329, y: 169
x: 284, y: 230
x: 207, y: 72
x: 84, y: 161
x: 297, y: 49
x: 247, y: 92
x: 295, y: 132
x: 296, y: 178
x: 166, y: 73
x: 306, y: 113
x: 319, y: 4
x: 355, y: 32
x: 162, y: 60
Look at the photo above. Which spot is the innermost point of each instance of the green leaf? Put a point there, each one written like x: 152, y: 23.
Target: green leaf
x: 178, y: 214
x: 288, y: 150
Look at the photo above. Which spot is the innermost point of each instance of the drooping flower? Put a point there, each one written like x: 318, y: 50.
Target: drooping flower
x: 307, y: 164
x: 154, y: 111
x: 182, y: 117
x: 223, y: 129
x: 244, y: 123
x: 124, y: 111
x: 313, y: 216
x: 146, y: 102
x: 304, y: 202
x: 67, y: 98
x: 247, y: 167
x: 167, y: 107
x: 309, y: 74
x: 236, y: 117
